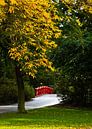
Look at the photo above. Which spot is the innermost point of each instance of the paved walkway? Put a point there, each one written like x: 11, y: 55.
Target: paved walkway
x: 37, y: 102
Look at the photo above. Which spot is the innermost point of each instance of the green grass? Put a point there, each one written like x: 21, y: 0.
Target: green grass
x: 48, y: 118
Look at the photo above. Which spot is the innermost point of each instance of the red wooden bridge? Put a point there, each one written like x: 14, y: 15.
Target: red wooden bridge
x: 43, y: 90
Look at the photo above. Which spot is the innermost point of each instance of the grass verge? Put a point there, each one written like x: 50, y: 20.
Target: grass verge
x: 48, y: 118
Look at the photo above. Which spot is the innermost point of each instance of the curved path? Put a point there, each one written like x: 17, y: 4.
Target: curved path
x: 37, y: 102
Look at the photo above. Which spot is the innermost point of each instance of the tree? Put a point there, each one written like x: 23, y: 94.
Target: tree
x: 28, y: 28
x: 73, y: 56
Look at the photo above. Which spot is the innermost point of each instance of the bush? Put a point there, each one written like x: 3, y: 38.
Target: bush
x: 9, y: 92
x: 29, y: 92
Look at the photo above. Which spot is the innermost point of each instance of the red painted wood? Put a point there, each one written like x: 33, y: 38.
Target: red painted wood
x: 43, y: 90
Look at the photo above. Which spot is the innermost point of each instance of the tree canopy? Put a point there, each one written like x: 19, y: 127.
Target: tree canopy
x: 30, y: 28
x: 73, y: 54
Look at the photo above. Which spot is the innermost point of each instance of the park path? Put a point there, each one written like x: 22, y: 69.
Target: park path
x: 37, y: 102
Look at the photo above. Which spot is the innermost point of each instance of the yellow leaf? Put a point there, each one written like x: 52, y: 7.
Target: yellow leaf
x: 2, y: 2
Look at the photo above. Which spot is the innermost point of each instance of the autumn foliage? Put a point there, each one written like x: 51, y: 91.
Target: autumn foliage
x: 31, y: 28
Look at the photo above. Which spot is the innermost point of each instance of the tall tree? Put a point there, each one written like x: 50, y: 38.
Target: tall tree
x: 73, y: 55
x: 29, y: 28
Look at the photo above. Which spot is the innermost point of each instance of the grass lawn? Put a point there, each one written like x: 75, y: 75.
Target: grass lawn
x: 48, y: 118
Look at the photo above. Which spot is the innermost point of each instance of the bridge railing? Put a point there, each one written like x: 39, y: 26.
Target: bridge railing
x: 43, y: 90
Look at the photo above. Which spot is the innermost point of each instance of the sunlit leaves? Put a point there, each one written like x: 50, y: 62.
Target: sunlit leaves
x: 2, y: 2
x: 31, y: 27
x: 83, y: 4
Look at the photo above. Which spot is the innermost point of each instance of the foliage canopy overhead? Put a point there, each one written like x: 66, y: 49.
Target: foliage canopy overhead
x: 30, y: 27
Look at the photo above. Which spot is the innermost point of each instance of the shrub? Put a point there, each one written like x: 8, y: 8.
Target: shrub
x: 9, y: 92
x: 29, y: 92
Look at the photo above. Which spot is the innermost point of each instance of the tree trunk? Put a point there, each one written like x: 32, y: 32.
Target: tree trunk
x: 21, y: 95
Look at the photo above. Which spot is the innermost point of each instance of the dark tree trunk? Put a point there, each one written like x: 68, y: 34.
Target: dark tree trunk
x: 21, y: 95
